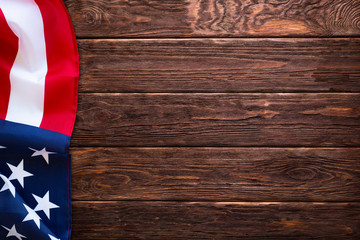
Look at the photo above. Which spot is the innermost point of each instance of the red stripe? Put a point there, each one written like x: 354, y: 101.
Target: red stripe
x: 8, y: 51
x: 61, y: 83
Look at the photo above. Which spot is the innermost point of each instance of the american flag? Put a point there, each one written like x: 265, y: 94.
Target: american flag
x: 35, y: 199
x: 38, y: 99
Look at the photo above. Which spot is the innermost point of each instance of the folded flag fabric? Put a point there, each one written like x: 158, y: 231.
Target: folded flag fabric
x: 39, y: 69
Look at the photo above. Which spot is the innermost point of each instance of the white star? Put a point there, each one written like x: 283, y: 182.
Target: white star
x: 13, y: 233
x: 8, y: 185
x: 18, y: 173
x: 53, y: 238
x: 44, y: 204
x: 1, y: 147
x: 32, y: 215
x: 43, y: 153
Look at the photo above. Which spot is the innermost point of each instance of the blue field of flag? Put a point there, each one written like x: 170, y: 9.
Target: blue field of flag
x: 35, y: 185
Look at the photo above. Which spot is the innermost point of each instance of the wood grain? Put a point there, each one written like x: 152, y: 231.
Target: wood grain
x: 220, y: 18
x: 215, y: 220
x: 220, y: 65
x: 216, y: 174
x: 218, y: 120
x: 207, y: 90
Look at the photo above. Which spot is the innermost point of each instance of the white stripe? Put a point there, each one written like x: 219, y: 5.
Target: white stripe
x: 27, y: 76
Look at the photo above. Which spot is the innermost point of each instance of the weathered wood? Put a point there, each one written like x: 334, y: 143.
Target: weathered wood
x: 220, y: 65
x: 218, y: 120
x: 184, y: 18
x: 192, y: 72
x: 216, y: 174
x: 215, y: 220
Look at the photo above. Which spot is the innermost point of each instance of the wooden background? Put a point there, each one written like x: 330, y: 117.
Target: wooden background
x: 217, y: 119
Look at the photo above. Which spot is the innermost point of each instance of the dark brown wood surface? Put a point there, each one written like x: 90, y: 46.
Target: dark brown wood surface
x: 221, y: 18
x: 219, y: 119
x: 273, y: 119
x: 216, y: 174
x: 220, y: 65
x: 215, y: 220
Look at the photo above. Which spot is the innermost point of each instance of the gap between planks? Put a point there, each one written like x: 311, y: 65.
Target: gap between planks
x: 214, y: 37
x: 255, y: 202
x: 217, y: 38
x: 220, y: 147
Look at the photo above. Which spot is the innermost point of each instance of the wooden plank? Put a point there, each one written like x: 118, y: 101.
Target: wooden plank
x: 218, y: 120
x: 215, y: 220
x: 220, y: 65
x: 216, y: 174
x: 185, y: 18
